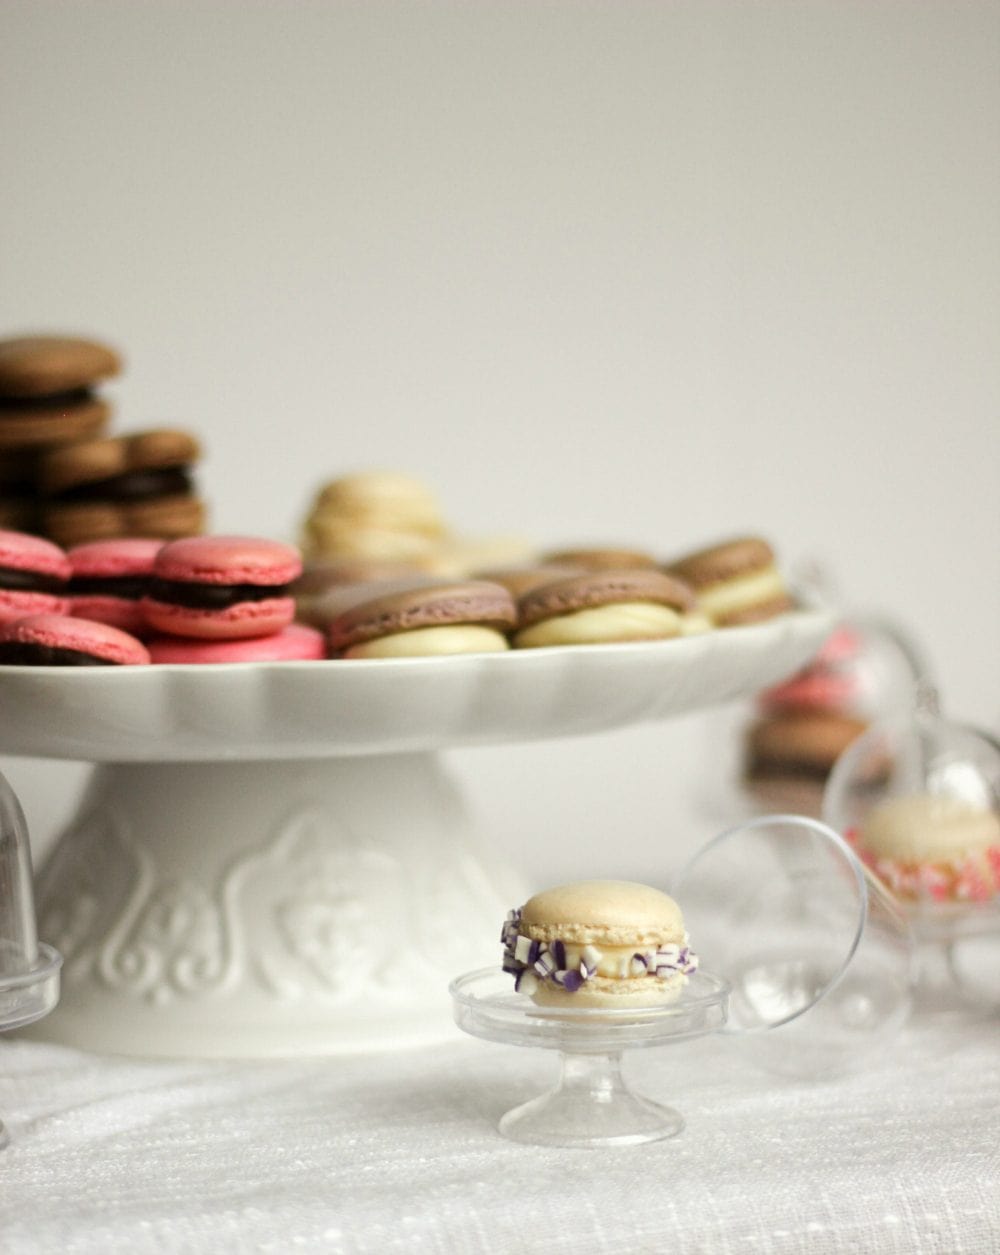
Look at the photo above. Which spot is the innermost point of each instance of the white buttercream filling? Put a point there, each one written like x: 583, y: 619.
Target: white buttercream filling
x: 732, y: 596
x: 450, y: 638
x: 625, y: 621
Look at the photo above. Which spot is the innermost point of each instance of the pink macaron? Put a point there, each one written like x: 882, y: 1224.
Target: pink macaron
x: 813, y: 690
x: 108, y: 579
x: 59, y: 640
x: 297, y: 642
x: 33, y: 576
x: 222, y: 587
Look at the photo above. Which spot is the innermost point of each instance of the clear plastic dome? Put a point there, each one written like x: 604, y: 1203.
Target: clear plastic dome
x: 867, y: 670
x: 29, y: 970
x: 918, y: 798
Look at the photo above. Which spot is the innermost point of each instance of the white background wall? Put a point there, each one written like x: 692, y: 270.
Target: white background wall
x: 611, y: 271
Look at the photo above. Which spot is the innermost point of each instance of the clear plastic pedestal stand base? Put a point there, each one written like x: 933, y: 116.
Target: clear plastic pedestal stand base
x: 591, y: 1105
x: 271, y: 859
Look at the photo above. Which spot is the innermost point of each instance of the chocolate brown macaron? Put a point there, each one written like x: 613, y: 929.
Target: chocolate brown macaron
x: 601, y: 607
x: 736, y: 581
x: 789, y: 756
x: 131, y: 485
x: 425, y: 619
x: 46, y: 389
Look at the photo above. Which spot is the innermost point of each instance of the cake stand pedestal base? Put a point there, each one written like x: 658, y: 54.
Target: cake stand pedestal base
x: 269, y: 908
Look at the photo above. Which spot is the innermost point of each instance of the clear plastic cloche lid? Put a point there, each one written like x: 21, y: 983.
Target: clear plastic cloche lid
x: 918, y: 797
x: 819, y: 957
x: 29, y: 970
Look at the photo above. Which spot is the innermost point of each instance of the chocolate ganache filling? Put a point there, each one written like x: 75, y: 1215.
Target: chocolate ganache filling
x: 128, y: 587
x: 133, y: 486
x: 52, y: 401
x: 212, y: 596
x: 27, y: 653
x: 17, y: 580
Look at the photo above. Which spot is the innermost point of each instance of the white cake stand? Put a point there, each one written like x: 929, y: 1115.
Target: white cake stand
x: 270, y: 858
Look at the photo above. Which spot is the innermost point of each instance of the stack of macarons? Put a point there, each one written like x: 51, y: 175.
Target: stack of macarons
x: 195, y: 600
x: 226, y: 599
x: 62, y: 475
x: 379, y: 515
x: 802, y: 726
x: 48, y: 399
x: 136, y: 484
x: 37, y: 623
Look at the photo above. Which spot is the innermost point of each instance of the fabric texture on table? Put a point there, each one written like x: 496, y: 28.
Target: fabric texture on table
x: 398, y: 1153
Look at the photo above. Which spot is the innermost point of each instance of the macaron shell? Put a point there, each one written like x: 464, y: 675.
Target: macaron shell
x: 32, y: 366
x: 617, y: 912
x: 813, y: 690
x: 123, y: 613
x: 723, y: 561
x: 118, y: 557
x: 16, y: 605
x: 244, y: 619
x: 44, y: 425
x: 602, y: 588
x: 386, y: 613
x: 229, y: 560
x: 294, y: 643
x: 23, y: 552
x: 84, y: 636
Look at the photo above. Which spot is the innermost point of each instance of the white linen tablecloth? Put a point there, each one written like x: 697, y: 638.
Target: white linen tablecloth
x: 398, y: 1152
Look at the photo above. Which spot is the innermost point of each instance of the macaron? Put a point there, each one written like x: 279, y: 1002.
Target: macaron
x: 295, y: 643
x: 788, y: 756
x: 222, y: 587
x: 132, y: 485
x: 433, y: 618
x: 317, y: 590
x: 939, y: 848
x: 602, y: 558
x: 598, y: 607
x: 46, y: 389
x: 59, y: 640
x: 109, y: 578
x: 373, y: 514
x: 34, y: 574
x: 598, y: 943
x: 519, y: 580
x: 47, y: 365
x: 736, y: 581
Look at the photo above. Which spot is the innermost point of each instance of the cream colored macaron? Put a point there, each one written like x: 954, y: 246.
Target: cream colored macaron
x: 920, y: 827
x: 598, y: 943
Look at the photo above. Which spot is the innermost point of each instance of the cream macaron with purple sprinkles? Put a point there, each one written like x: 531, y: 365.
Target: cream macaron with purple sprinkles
x: 598, y: 943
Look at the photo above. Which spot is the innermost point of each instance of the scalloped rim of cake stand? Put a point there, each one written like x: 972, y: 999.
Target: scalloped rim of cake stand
x: 255, y: 711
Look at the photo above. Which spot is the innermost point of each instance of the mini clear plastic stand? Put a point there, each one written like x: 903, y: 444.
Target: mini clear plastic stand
x: 29, y: 971
x: 815, y: 966
x: 591, y: 1105
x: 936, y: 846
